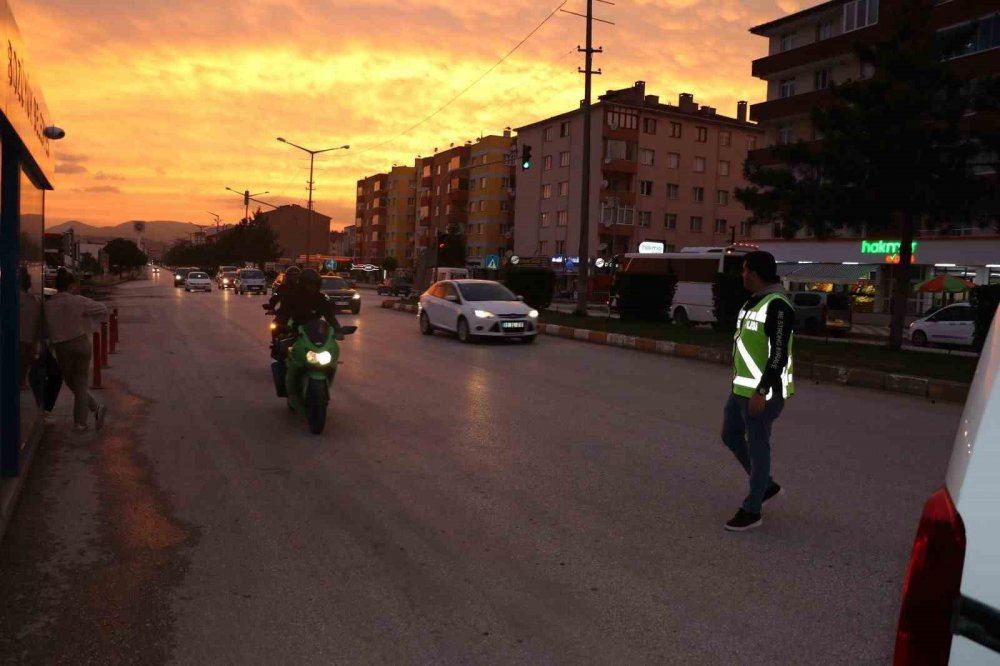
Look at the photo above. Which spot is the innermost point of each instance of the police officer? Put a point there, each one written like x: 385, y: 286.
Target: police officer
x: 762, y: 381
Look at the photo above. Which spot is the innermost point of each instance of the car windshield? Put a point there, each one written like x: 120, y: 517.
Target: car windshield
x: 331, y: 283
x: 252, y: 275
x: 229, y: 275
x: 197, y: 276
x: 486, y: 291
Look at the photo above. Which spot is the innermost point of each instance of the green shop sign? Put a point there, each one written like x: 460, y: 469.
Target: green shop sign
x: 884, y: 247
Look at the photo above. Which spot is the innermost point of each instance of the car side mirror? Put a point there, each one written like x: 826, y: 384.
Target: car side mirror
x: 520, y: 298
x: 451, y: 297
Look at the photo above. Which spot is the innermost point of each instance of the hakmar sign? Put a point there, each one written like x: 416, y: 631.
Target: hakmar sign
x: 888, y: 248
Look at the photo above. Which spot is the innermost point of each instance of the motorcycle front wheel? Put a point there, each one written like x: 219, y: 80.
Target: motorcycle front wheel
x: 317, y: 397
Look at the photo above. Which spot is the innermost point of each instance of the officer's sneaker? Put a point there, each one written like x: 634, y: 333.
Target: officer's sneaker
x: 773, y: 491
x: 743, y: 521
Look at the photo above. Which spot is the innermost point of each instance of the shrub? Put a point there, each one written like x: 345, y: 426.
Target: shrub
x: 534, y: 283
x: 728, y: 296
x: 645, y: 297
x: 985, y: 300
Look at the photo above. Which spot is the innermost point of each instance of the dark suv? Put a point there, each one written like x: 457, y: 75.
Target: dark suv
x: 394, y: 287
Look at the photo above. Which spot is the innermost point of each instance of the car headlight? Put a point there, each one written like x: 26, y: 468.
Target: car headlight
x: 322, y: 358
x: 533, y: 314
x: 483, y: 314
x: 356, y: 297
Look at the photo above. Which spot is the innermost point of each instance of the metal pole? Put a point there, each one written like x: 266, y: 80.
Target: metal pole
x: 582, y: 287
x: 312, y: 157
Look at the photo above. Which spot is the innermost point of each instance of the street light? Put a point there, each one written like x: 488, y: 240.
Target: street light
x: 246, y: 201
x: 312, y: 157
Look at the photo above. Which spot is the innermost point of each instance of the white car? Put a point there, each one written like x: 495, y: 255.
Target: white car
x: 250, y: 281
x: 950, y: 612
x: 476, y: 308
x: 197, y: 281
x: 951, y: 325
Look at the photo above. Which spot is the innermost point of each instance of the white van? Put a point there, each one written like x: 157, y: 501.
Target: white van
x: 950, y: 612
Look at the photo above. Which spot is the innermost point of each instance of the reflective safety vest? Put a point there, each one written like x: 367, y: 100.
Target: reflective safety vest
x: 752, y: 347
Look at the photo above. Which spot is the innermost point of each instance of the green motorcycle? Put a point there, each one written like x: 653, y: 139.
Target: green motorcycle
x: 309, y: 369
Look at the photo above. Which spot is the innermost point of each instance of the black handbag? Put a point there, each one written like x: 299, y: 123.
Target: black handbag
x: 45, y: 379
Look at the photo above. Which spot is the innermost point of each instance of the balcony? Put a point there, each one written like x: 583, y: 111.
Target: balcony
x: 425, y: 221
x: 768, y: 66
x: 460, y: 217
x: 427, y: 181
x: 796, y: 105
x: 620, y: 166
x: 620, y: 134
x: 624, y: 198
x: 456, y: 196
x: 425, y: 201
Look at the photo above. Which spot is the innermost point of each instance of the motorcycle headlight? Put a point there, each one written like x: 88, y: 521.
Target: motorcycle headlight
x: 484, y: 314
x: 356, y: 297
x: 322, y: 358
x: 533, y: 314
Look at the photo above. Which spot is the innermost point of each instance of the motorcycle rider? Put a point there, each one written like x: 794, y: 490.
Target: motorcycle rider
x: 288, y: 285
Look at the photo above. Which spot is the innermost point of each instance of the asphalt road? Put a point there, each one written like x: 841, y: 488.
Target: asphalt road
x: 557, y: 503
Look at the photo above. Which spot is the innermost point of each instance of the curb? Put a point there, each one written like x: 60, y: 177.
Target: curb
x: 934, y: 389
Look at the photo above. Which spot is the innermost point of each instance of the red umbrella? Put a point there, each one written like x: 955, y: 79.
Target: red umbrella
x: 945, y: 283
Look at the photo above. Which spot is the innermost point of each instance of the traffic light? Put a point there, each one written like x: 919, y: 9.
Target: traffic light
x: 246, y: 197
x: 525, y: 157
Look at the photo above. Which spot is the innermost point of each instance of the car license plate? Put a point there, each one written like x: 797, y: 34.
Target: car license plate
x: 512, y: 325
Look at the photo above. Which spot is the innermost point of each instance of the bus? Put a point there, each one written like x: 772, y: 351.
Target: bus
x: 695, y: 268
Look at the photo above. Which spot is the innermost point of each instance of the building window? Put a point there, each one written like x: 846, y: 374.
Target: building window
x: 786, y: 88
x: 702, y: 135
x: 821, y: 79
x: 696, y: 224
x: 860, y: 14
x: 447, y: 211
x: 986, y: 35
x: 564, y: 128
x: 439, y: 190
x: 543, y: 247
x: 547, y: 163
x: 646, y: 188
x: 560, y: 247
x: 824, y: 30
x: 720, y: 226
x: 722, y: 197
x: 504, y: 206
x: 673, y: 191
x: 505, y: 182
x: 787, y: 41
x: 645, y: 218
x: 699, y: 165
x: 647, y: 157
x: 725, y: 138
x: 698, y: 194
x: 786, y: 135
x: 472, y: 185
x: 564, y: 159
x: 482, y: 206
x: 546, y: 191
x: 549, y: 132
x: 744, y: 229
x: 866, y: 71
x: 670, y: 221
x: 673, y: 160
x: 622, y: 118
x: 675, y: 130
x: 437, y: 210
x: 751, y: 143
x: 544, y: 219
x: 564, y: 188
x: 562, y: 218
x: 649, y: 125
x: 723, y: 168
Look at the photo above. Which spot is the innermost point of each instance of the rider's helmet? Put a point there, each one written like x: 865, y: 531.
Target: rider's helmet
x: 309, y: 280
x: 292, y: 275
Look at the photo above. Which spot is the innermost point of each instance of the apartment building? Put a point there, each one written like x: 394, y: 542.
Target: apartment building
x: 661, y: 173
x: 402, y: 220
x: 809, y: 51
x: 442, y: 194
x: 299, y: 231
x: 371, y: 219
x: 491, y: 199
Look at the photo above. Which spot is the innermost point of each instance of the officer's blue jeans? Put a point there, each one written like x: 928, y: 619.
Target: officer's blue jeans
x: 749, y: 438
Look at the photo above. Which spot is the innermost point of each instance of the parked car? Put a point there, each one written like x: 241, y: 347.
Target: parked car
x: 950, y: 610
x: 951, y: 325
x: 250, y: 281
x: 340, y: 293
x: 180, y: 276
x: 227, y: 280
x: 394, y: 287
x: 474, y: 308
x: 197, y: 281
x: 819, y: 310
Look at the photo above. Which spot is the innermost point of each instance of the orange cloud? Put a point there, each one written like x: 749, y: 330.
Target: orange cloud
x: 180, y: 99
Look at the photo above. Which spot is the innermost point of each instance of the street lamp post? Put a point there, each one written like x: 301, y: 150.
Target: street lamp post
x: 312, y: 158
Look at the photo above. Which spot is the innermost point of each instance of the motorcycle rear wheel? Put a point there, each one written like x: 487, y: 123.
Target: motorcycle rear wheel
x: 317, y: 397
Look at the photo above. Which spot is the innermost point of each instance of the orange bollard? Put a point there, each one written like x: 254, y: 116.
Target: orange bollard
x: 104, y: 344
x: 97, y: 361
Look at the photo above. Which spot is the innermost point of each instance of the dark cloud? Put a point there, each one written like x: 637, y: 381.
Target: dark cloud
x: 100, y: 189
x: 108, y: 176
x: 71, y: 168
x: 71, y: 157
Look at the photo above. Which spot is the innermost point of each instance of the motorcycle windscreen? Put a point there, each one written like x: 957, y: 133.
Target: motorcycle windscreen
x: 317, y: 331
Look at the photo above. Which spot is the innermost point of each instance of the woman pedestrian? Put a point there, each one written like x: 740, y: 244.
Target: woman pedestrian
x: 70, y: 320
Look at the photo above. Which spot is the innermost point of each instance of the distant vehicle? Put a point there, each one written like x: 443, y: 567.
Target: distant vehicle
x: 197, y: 281
x: 951, y: 325
x: 950, y: 611
x: 341, y: 294
x: 227, y: 280
x: 225, y: 269
x: 476, y: 308
x: 250, y: 281
x: 394, y: 287
x: 695, y: 268
x: 180, y: 275
x: 815, y: 310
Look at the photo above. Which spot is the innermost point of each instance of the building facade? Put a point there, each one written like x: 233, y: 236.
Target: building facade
x: 660, y: 173
x: 402, y: 220
x: 442, y: 195
x: 489, y: 231
x: 370, y: 218
x: 811, y: 50
x: 300, y: 232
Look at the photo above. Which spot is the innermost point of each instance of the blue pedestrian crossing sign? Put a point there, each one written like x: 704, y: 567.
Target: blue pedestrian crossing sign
x: 493, y: 262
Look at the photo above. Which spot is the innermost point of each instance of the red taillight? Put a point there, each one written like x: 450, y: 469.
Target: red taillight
x: 932, y: 585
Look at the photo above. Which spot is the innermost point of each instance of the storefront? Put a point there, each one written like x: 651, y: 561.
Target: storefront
x: 25, y: 174
x: 865, y: 269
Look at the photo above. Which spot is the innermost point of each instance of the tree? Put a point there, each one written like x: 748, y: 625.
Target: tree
x: 895, y: 153
x: 89, y: 264
x: 390, y: 264
x: 124, y: 255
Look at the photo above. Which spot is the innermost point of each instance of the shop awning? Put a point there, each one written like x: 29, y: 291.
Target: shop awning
x: 833, y: 273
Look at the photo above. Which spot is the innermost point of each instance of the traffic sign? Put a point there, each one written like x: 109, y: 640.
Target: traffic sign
x: 492, y: 262
x: 515, y: 259
x: 569, y: 264
x: 599, y: 263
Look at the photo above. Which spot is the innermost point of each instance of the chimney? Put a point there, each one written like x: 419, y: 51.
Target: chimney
x: 652, y: 100
x: 640, y: 89
x: 506, y: 134
x: 741, y: 111
x: 708, y: 110
x: 686, y: 103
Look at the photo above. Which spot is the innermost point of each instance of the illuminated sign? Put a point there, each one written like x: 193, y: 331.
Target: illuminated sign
x: 883, y: 247
x: 651, y: 247
x: 364, y: 267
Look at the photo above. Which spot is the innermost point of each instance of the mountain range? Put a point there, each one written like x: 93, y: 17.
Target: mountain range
x: 163, y: 231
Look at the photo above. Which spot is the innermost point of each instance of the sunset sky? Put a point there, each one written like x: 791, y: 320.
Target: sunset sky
x: 167, y: 102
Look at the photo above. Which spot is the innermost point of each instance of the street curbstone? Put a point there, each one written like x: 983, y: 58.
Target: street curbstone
x: 710, y: 355
x: 867, y: 378
x: 581, y: 334
x: 566, y: 332
x: 803, y: 370
x: 645, y: 344
x: 939, y: 389
x: 906, y: 384
x: 600, y: 337
x: 830, y: 373
x: 686, y: 351
x: 665, y: 347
